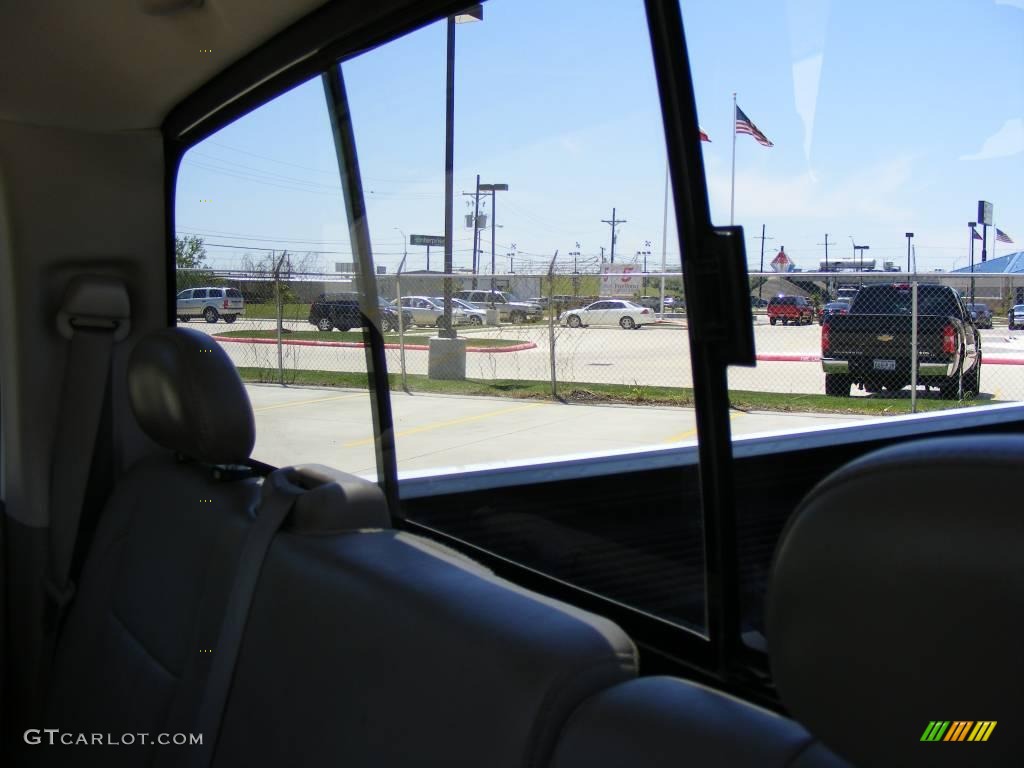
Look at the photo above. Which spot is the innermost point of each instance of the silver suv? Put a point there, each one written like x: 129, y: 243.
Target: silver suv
x: 508, y: 307
x: 210, y: 304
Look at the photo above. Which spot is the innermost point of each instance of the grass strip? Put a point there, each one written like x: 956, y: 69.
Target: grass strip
x: 615, y: 393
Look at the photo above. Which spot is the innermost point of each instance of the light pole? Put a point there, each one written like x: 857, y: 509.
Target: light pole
x: 511, y: 259
x: 492, y: 188
x: 910, y: 236
x: 971, y: 225
x: 575, y: 271
x: 473, y: 13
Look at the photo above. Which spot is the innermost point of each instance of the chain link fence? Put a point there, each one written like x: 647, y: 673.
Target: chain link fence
x: 586, y: 337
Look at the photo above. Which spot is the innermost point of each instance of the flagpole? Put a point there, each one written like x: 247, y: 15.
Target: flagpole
x: 664, y: 237
x: 732, y: 193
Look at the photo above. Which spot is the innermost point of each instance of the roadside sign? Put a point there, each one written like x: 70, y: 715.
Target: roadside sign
x: 620, y: 280
x: 427, y: 240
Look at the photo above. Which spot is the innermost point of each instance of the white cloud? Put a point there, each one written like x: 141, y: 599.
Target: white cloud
x: 1007, y: 141
x: 872, y: 194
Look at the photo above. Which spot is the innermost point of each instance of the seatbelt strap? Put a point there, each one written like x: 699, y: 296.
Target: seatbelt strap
x: 82, y: 396
x: 95, y: 315
x: 269, y: 518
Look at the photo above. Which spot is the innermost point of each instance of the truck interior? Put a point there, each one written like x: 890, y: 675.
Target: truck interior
x: 816, y: 598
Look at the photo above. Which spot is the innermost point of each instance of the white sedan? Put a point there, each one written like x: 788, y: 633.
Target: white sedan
x: 609, y: 312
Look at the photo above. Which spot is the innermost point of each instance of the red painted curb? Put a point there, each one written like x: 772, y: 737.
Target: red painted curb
x: 360, y: 345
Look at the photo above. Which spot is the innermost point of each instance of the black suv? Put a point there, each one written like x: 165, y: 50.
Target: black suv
x: 341, y: 311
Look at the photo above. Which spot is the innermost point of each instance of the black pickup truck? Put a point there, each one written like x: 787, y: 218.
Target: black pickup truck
x: 871, y: 345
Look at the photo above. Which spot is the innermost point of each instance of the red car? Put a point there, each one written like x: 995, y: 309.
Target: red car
x: 790, y: 309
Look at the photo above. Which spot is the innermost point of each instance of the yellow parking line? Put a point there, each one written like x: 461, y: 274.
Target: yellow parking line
x: 691, y: 432
x: 307, y: 402
x: 451, y: 423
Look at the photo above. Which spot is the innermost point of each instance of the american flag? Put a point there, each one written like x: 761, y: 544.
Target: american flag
x: 744, y: 125
x: 703, y: 135
x: 1002, y: 237
x: 976, y: 235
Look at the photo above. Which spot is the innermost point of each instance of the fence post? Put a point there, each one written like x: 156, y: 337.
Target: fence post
x: 401, y: 323
x: 551, y: 326
x: 913, y: 347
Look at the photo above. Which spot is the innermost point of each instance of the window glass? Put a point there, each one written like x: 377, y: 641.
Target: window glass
x: 560, y: 124
x: 855, y: 150
x: 260, y: 212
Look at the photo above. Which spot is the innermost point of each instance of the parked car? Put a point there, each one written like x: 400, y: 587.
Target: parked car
x: 790, y: 309
x: 1016, y: 317
x: 626, y: 314
x: 474, y: 315
x: 211, y: 304
x: 846, y: 292
x: 758, y: 303
x: 341, y: 310
x: 508, y: 306
x: 982, y: 315
x: 429, y: 311
x: 833, y: 308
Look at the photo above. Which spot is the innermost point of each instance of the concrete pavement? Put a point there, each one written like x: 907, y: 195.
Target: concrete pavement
x: 443, y: 432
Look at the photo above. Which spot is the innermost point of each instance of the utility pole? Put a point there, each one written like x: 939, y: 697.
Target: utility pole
x: 614, y: 222
x: 762, y: 238
x: 828, y: 292
x: 476, y: 222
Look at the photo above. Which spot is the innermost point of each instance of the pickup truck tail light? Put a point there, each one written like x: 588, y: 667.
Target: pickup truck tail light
x: 824, y: 339
x: 949, y: 340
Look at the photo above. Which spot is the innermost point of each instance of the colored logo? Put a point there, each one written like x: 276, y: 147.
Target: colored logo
x: 958, y: 730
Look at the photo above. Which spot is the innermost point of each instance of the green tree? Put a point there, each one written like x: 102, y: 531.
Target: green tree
x: 189, y: 252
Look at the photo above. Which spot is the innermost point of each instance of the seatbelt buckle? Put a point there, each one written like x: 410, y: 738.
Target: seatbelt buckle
x: 57, y: 601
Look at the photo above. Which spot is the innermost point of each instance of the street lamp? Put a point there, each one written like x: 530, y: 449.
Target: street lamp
x: 473, y: 13
x: 493, y: 188
x: 971, y: 225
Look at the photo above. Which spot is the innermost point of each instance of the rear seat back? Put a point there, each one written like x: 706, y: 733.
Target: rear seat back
x: 381, y: 648
x: 363, y: 645
x: 664, y: 722
x: 134, y: 651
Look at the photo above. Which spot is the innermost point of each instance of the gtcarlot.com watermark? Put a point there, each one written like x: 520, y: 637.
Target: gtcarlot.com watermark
x: 54, y: 736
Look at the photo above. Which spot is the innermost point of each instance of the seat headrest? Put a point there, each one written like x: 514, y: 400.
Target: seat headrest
x: 187, y: 396
x: 897, y: 601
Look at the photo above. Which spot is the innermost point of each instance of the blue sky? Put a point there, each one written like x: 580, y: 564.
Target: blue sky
x: 886, y: 118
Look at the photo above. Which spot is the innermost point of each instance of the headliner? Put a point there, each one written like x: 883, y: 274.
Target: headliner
x: 114, y: 67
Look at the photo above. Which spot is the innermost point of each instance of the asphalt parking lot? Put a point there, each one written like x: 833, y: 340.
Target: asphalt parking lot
x: 441, y: 432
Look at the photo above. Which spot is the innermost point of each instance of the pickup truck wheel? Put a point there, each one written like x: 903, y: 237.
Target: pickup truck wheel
x: 972, y: 382
x: 772, y: 320
x: 950, y: 388
x: 837, y: 385
x: 325, y: 324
